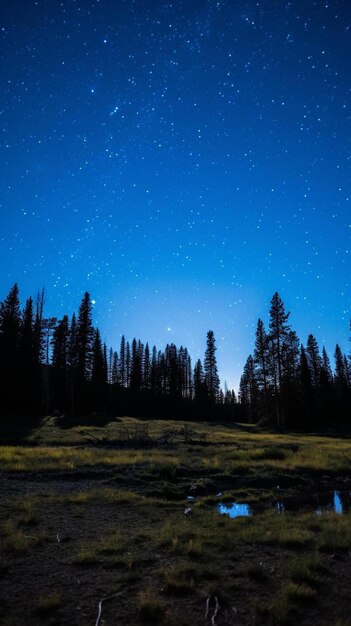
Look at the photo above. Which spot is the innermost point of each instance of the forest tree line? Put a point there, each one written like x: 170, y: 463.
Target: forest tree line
x: 61, y: 365
x: 292, y: 385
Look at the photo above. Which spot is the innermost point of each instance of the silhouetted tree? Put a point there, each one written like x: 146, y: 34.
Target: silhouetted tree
x: 60, y: 363
x: 279, y: 329
x: 98, y: 374
x: 210, y: 369
x: 248, y: 389
x: 27, y: 365
x: 114, y: 370
x: 326, y: 391
x: 122, y: 363
x: 200, y: 388
x: 306, y: 392
x: 314, y: 360
x: 261, y: 361
x: 84, y: 339
x: 10, y: 324
x: 147, y: 368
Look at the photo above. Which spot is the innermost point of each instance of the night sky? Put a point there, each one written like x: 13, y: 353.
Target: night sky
x: 181, y: 161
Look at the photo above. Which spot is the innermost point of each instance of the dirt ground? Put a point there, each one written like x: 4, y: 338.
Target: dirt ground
x: 47, y: 578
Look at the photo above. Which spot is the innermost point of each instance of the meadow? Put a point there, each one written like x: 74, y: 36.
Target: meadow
x: 117, y: 521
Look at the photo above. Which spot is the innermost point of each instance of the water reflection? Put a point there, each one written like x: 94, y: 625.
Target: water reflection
x: 335, y: 501
x: 234, y: 509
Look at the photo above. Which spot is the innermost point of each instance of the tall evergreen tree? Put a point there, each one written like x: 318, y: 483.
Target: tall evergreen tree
x: 84, y: 339
x: 10, y: 324
x: 314, y: 360
x: 98, y: 373
x: 115, y: 378
x: 339, y: 377
x: 326, y: 365
x: 72, y: 362
x: 249, y: 389
x: 261, y: 360
x: 279, y: 329
x: 153, y: 374
x: 60, y: 363
x: 27, y: 365
x: 136, y: 367
x: 306, y: 414
x: 122, y: 362
x: 128, y: 364
x: 210, y: 368
x: 200, y: 388
x: 147, y: 368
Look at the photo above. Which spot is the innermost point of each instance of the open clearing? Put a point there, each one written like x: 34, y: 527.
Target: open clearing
x: 102, y: 512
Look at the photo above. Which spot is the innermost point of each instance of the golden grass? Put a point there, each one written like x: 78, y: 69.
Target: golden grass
x: 17, y: 458
x: 15, y: 539
x: 91, y: 552
x: 313, y: 453
x: 180, y: 577
x: 151, y: 609
x: 245, y: 448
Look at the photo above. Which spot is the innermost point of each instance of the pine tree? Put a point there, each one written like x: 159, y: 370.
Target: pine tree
x: 128, y: 364
x: 136, y: 367
x: 249, y: 389
x: 27, y: 365
x: 200, y: 388
x: 314, y: 360
x: 172, y: 369
x: 347, y: 371
x: 39, y: 329
x: 84, y: 339
x: 147, y: 368
x: 279, y: 329
x: 339, y: 377
x: 210, y: 369
x: 326, y: 392
x: 122, y: 362
x: 326, y: 371
x: 153, y: 375
x: 291, y: 355
x: 306, y: 392
x: 98, y: 373
x: 10, y: 324
x: 110, y: 365
x: 189, y: 383
x: 72, y: 361
x: 60, y: 363
x: 114, y: 373
x: 261, y: 360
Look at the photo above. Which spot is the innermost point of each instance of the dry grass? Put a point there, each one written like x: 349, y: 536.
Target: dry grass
x: 151, y: 609
x: 245, y: 447
x: 16, y: 540
x: 48, y: 603
x: 91, y: 552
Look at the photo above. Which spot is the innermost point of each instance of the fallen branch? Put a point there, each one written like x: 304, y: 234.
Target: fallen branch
x: 215, y: 612
x: 207, y: 607
x: 58, y: 538
x: 114, y: 595
x: 217, y: 607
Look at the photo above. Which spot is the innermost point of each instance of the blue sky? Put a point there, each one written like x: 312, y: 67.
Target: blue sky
x: 181, y: 161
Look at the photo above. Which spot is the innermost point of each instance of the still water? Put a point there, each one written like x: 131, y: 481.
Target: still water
x: 337, y: 501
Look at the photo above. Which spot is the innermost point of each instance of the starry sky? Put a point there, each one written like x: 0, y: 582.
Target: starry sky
x: 180, y: 160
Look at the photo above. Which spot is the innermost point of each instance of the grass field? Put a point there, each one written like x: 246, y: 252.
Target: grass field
x: 101, y: 511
